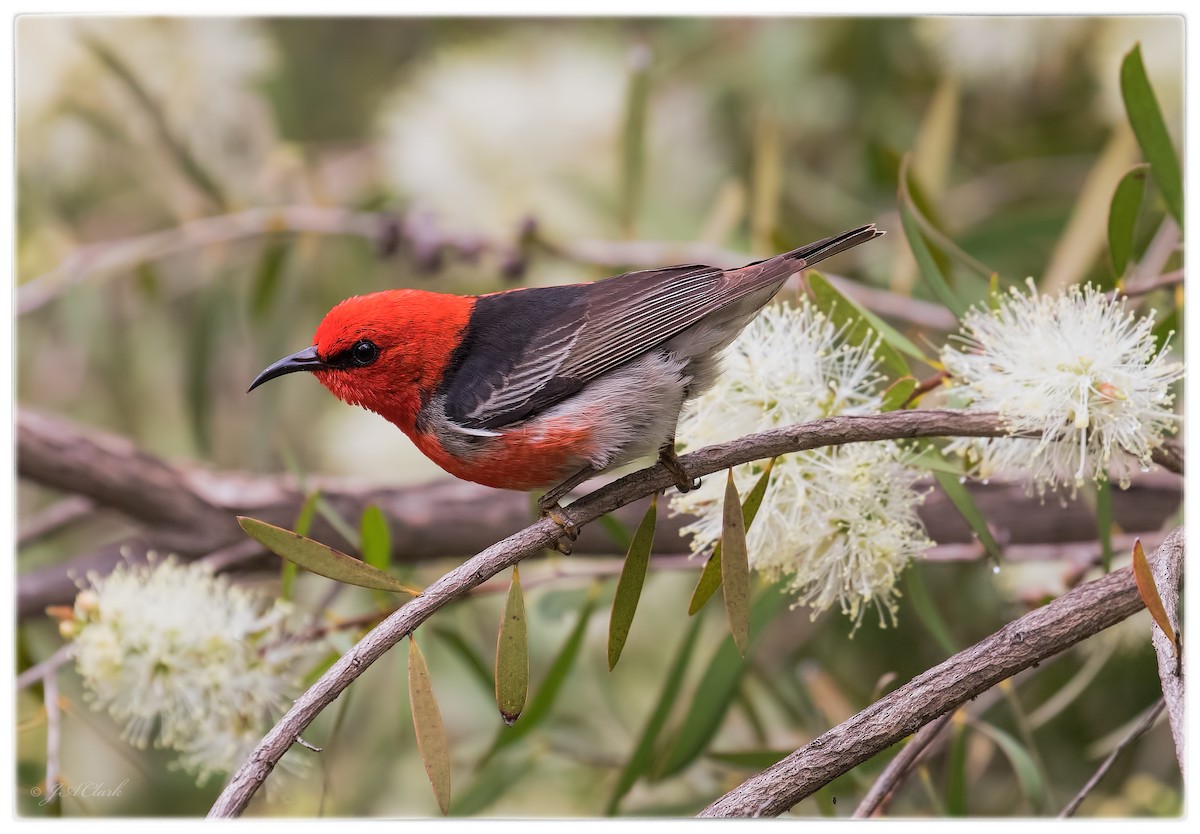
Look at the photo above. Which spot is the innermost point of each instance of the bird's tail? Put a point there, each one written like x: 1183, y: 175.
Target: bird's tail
x: 814, y: 253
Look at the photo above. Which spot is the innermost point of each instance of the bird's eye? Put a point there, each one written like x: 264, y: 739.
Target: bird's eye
x: 364, y: 353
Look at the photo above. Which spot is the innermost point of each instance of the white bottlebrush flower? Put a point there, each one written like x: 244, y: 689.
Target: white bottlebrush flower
x: 841, y: 522
x: 490, y: 133
x: 173, y: 648
x: 1079, y: 370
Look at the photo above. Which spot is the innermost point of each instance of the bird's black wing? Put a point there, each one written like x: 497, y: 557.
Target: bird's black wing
x: 525, y: 350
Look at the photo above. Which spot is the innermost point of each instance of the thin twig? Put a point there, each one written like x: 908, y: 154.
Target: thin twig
x: 56, y: 517
x: 53, y: 736
x: 1023, y: 643
x: 543, y: 533
x: 45, y: 669
x: 1144, y: 725
x: 897, y: 769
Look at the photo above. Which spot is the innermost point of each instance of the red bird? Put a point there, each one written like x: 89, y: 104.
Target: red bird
x: 530, y: 387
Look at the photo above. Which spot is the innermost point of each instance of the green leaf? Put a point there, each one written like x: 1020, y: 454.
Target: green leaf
x: 492, y: 783
x: 965, y: 504
x: 469, y: 656
x: 512, y: 654
x: 927, y: 612
x: 629, y: 585
x: 266, y: 281
x: 752, y: 760
x: 427, y: 721
x: 320, y: 558
x: 1022, y: 763
x: 633, y: 137
x: 375, y: 538
x: 304, y: 520
x: 920, y: 249
x: 898, y: 393
x: 539, y: 707
x: 1122, y: 218
x: 735, y: 567
x: 715, y: 691
x: 956, y: 773
x: 842, y: 313
x: 643, y: 753
x: 710, y: 576
x: 1146, y: 119
x: 1104, y: 522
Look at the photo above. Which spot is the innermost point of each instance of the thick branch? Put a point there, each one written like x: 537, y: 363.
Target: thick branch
x: 830, y: 432
x: 1022, y: 643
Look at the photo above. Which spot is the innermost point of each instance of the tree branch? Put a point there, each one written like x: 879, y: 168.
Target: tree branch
x: 543, y: 533
x: 1027, y: 641
x: 443, y: 519
x: 1142, y: 726
x: 1168, y: 578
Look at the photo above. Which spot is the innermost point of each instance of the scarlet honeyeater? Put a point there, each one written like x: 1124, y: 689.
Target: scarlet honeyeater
x: 525, y: 388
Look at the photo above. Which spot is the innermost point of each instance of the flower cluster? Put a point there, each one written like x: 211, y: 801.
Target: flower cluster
x: 1076, y: 370
x: 172, y: 647
x: 840, y: 523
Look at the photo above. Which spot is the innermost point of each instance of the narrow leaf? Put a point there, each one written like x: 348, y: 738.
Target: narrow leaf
x: 965, y: 504
x: 956, y: 773
x: 1122, y: 218
x: 304, y: 520
x: 643, y: 754
x: 1104, y: 522
x: 375, y: 538
x: 512, y: 654
x: 1148, y: 591
x: 1146, y: 119
x: 710, y: 576
x: 266, y: 282
x: 543, y: 700
x: 633, y: 137
x: 859, y: 330
x: 927, y: 612
x: 427, y: 721
x: 320, y: 558
x: 735, y: 567
x: 897, y: 393
x: 469, y: 656
x: 629, y: 586
x: 920, y: 248
x: 710, y: 580
x: 715, y: 692
x: 753, y: 760
x: 1032, y: 785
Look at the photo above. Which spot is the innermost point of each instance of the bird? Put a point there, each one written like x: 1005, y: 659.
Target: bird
x: 546, y: 386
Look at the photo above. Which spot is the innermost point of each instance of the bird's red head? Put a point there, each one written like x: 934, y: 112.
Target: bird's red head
x: 386, y: 351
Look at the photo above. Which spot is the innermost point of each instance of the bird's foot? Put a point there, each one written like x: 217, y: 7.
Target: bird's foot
x: 670, y: 461
x: 565, y: 543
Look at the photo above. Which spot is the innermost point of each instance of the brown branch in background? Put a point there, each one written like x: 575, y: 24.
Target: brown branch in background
x: 1142, y: 727
x: 419, y: 235
x: 187, y: 511
x: 832, y: 431
x: 1027, y: 641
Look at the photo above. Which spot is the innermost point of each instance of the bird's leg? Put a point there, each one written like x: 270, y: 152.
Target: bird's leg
x: 669, y: 460
x: 549, y: 507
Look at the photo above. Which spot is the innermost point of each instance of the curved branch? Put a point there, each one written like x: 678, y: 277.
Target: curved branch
x: 543, y: 533
x: 1027, y: 641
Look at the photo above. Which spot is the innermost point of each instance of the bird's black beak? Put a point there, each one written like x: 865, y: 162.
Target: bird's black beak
x: 301, y: 360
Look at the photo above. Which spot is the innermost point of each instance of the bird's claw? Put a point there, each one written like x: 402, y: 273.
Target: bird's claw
x: 564, y: 544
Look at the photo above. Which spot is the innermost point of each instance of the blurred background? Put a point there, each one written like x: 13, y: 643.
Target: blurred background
x: 194, y: 194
